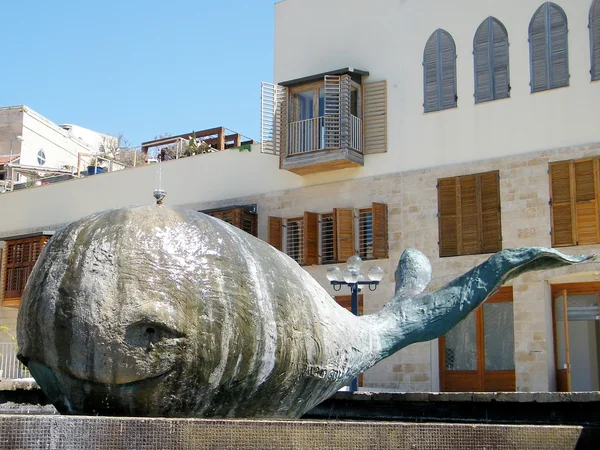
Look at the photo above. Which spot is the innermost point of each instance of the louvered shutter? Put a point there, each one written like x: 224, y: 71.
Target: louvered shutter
x: 430, y: 75
x: 481, y: 57
x: 448, y: 216
x: 345, y: 113
x: 275, y: 232
x: 538, y: 51
x: 380, y: 231
x: 469, y: 215
x: 501, y: 77
x: 562, y: 207
x: 311, y: 238
x: 490, y: 212
x: 448, y: 72
x: 273, y: 118
x: 332, y: 88
x: 375, y: 117
x: 558, y: 51
x: 344, y: 223
x: 586, y: 207
x: 595, y: 39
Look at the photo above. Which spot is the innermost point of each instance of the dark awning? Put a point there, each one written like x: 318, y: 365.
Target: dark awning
x: 355, y: 74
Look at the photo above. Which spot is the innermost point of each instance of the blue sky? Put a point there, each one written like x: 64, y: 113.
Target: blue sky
x: 142, y: 68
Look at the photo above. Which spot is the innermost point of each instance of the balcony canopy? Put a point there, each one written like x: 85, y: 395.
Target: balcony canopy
x: 355, y: 74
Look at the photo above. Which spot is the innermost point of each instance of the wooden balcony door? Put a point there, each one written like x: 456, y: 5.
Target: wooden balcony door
x: 478, y: 354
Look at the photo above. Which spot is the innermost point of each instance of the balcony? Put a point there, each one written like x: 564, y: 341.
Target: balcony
x: 324, y: 122
x: 319, y: 145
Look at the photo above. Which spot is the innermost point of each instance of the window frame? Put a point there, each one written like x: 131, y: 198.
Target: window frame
x: 236, y: 216
x: 491, y: 63
x: 575, y: 213
x: 439, y: 69
x: 545, y: 9
x: 594, y: 29
x: 452, y: 216
x: 12, y: 297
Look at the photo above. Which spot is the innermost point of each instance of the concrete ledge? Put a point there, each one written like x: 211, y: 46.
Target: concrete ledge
x: 100, y: 433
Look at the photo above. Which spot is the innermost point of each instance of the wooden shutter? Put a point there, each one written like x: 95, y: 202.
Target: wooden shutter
x: 311, y: 238
x: 586, y: 205
x: 491, y: 236
x: 558, y: 51
x: 21, y: 256
x: 448, y: 216
x: 562, y: 206
x: 345, y: 113
x: 499, y: 50
x: 430, y: 75
x: 344, y: 224
x: 594, y: 26
x: 375, y: 117
x: 448, y: 70
x: 538, y: 51
x: 481, y: 57
x: 275, y: 232
x: 345, y: 301
x: 273, y: 118
x: 469, y: 237
x: 331, y: 121
x: 380, y: 231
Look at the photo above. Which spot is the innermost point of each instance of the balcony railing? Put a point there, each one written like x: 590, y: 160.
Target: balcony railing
x: 309, y: 135
x: 10, y: 367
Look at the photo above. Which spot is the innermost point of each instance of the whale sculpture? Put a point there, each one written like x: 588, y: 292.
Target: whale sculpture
x: 160, y: 311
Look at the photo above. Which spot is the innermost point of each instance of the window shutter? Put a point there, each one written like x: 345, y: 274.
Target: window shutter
x: 344, y: 224
x: 273, y: 118
x: 595, y: 39
x: 537, y: 49
x: 448, y: 72
x: 21, y: 256
x: 586, y: 209
x: 275, y: 232
x: 469, y: 215
x: 331, y: 121
x: 375, y: 117
x: 501, y: 77
x: 430, y: 75
x: 345, y: 94
x: 490, y: 212
x: 481, y: 57
x: 558, y: 51
x: 562, y: 207
x: 448, y: 216
x: 380, y: 231
x: 311, y: 238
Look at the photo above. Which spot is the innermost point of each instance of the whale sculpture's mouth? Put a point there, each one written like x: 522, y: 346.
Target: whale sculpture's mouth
x: 36, y: 366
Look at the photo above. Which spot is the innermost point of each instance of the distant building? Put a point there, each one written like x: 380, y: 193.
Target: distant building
x: 34, y: 144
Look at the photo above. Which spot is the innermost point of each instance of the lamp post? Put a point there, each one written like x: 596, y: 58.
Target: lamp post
x: 9, y: 165
x: 352, y: 277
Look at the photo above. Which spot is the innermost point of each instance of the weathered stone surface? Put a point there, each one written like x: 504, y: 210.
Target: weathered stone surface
x: 157, y: 311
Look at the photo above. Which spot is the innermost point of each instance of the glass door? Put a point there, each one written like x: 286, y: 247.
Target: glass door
x: 562, y: 347
x: 478, y: 354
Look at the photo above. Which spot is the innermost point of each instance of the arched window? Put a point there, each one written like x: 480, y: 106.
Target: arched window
x: 490, y: 54
x: 595, y: 39
x: 548, y: 48
x: 439, y: 72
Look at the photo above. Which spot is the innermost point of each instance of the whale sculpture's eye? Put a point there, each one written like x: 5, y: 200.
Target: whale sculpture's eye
x: 144, y: 333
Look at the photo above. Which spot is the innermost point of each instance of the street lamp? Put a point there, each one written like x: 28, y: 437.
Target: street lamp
x: 352, y: 277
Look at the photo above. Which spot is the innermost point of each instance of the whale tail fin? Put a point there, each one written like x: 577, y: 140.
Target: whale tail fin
x: 413, y: 316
